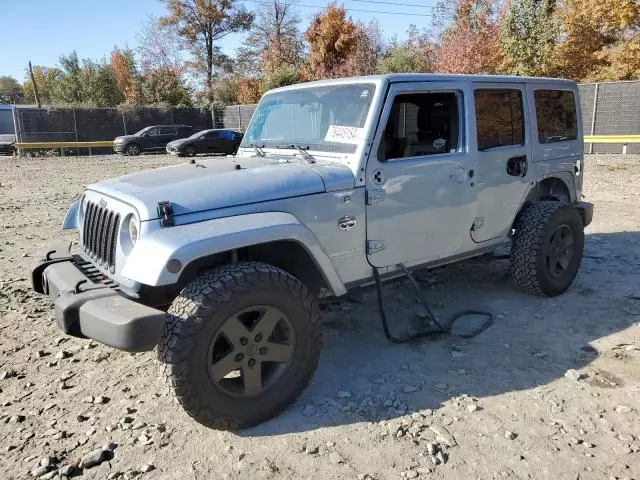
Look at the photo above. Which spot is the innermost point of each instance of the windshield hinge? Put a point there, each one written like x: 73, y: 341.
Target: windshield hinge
x: 374, y: 246
x: 375, y: 196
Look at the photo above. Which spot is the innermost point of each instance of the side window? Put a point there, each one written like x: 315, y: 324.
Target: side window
x: 166, y: 131
x: 556, y: 115
x: 153, y: 132
x: 212, y: 135
x: 499, y: 118
x: 421, y: 124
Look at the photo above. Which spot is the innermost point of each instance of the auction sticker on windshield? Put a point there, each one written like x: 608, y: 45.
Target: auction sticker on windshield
x: 342, y: 134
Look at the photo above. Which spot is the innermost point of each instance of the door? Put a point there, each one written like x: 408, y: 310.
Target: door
x: 226, y: 141
x: 212, y: 142
x: 156, y: 137
x: 419, y: 178
x: 503, y: 155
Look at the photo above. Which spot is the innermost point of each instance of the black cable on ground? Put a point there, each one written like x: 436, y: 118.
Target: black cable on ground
x: 429, y: 331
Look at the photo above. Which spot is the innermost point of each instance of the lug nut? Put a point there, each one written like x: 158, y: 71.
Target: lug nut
x: 263, y: 351
x: 243, y: 340
x: 258, y: 337
x: 239, y: 357
x: 252, y: 363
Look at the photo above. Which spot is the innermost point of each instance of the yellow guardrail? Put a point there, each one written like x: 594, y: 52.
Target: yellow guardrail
x: 100, y: 143
x: 612, y: 139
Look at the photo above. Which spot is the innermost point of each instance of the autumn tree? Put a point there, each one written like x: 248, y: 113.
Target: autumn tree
x: 46, y: 79
x: 600, y: 41
x: 165, y: 86
x: 332, y: 38
x: 159, y: 46
x: 413, y: 55
x: 204, y: 22
x: 274, y: 40
x: 369, y: 48
x: 126, y: 73
x: 470, y: 42
x: 10, y: 90
x: 528, y: 36
x: 249, y: 90
x: 99, y: 85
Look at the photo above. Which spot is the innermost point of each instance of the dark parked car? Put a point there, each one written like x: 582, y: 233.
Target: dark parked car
x: 206, y: 141
x: 149, y: 139
x: 7, y: 146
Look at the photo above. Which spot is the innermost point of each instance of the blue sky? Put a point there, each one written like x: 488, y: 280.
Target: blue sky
x: 42, y: 30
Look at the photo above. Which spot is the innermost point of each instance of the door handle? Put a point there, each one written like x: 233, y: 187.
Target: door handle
x: 517, y: 166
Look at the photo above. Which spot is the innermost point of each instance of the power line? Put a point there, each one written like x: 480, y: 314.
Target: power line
x: 316, y: 7
x: 432, y: 7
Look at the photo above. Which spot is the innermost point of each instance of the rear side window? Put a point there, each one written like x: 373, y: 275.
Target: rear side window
x: 165, y: 130
x: 227, y: 135
x: 556, y: 115
x: 499, y: 118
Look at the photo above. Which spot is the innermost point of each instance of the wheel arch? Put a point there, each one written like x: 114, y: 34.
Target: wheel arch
x: 276, y: 238
x: 557, y: 187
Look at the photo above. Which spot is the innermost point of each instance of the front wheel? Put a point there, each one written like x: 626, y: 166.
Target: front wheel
x: 547, y: 248
x: 240, y: 344
x: 133, y: 149
x: 190, y: 151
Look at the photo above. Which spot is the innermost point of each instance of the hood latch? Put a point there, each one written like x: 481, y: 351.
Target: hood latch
x: 165, y: 212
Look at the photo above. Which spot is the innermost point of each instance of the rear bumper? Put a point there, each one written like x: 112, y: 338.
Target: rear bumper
x: 586, y: 212
x: 86, y: 308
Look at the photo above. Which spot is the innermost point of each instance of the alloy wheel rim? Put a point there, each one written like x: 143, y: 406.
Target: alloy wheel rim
x: 251, y: 351
x: 560, y: 251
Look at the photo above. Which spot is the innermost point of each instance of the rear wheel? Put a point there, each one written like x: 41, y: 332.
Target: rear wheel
x: 240, y: 344
x: 133, y: 149
x: 547, y: 248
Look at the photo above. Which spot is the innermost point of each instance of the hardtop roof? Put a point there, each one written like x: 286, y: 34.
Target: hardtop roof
x: 430, y: 77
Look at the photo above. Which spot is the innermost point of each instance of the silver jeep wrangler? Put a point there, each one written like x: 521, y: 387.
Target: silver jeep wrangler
x: 337, y: 184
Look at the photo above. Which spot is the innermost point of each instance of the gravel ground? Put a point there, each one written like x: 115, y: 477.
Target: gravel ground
x: 549, y: 391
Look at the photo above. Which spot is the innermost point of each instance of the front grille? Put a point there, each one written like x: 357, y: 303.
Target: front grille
x: 100, y: 235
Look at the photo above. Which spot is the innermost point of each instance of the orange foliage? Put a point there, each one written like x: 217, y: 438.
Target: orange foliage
x: 332, y: 40
x: 600, y: 39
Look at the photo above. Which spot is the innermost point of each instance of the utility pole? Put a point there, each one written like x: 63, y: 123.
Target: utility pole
x: 33, y: 83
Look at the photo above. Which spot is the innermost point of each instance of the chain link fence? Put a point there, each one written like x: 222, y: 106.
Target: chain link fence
x: 93, y: 124
x: 611, y: 108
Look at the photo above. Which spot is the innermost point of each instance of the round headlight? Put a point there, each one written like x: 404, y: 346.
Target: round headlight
x: 133, y: 230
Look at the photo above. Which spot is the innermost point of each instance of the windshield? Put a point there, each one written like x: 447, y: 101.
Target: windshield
x: 144, y: 130
x: 329, y: 118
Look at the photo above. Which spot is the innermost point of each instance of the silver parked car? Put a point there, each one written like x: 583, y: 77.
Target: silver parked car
x: 336, y: 184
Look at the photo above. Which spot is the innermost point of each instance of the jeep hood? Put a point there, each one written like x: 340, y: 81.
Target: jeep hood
x: 220, y: 182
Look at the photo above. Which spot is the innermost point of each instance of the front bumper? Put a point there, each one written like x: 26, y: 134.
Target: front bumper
x: 118, y: 147
x: 173, y: 151
x: 89, y: 306
x: 586, y: 212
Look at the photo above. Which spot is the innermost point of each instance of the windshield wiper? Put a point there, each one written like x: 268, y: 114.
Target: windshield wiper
x: 302, y: 149
x: 257, y: 148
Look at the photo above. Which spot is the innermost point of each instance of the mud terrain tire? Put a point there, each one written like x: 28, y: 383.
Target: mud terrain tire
x: 208, y: 313
x: 547, y: 248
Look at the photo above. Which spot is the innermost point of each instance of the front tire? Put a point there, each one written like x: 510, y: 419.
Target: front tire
x: 240, y: 344
x: 133, y: 149
x: 190, y: 151
x: 547, y: 248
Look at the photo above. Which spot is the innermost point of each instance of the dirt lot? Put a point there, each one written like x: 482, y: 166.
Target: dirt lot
x: 499, y: 406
